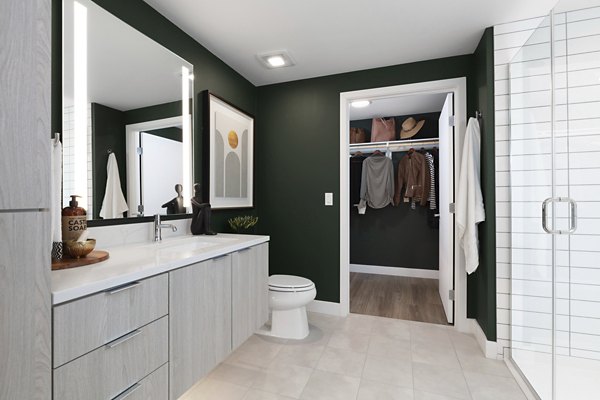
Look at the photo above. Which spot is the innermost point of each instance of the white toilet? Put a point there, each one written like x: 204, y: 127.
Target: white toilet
x: 288, y: 297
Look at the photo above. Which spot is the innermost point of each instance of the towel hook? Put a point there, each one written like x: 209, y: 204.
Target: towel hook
x: 478, y: 115
x: 109, y: 151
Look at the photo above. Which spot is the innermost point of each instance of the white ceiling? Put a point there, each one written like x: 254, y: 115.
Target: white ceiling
x: 126, y: 69
x: 403, y: 105
x: 334, y: 36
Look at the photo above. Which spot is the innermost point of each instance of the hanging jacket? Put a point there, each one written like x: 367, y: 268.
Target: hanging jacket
x: 413, y: 174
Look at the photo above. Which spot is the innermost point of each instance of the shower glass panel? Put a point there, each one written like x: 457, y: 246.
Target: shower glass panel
x: 554, y: 103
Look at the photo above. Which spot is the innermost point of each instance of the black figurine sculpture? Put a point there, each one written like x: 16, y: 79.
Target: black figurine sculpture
x: 175, y: 206
x: 200, y: 214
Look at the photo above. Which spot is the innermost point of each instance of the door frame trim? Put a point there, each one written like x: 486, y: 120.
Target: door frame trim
x: 458, y: 86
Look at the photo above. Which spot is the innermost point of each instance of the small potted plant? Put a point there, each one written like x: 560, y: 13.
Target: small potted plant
x: 243, y: 224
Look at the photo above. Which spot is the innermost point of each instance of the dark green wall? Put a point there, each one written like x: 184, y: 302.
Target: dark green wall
x: 482, y: 283
x: 108, y: 133
x: 296, y: 147
x: 210, y: 72
x: 151, y: 113
x: 297, y: 160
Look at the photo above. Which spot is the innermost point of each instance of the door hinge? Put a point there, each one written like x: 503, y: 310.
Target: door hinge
x: 451, y: 294
x: 452, y: 208
x: 140, y: 209
x: 139, y: 151
x: 451, y: 120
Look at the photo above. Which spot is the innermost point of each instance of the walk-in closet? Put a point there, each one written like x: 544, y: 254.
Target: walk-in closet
x: 401, y: 229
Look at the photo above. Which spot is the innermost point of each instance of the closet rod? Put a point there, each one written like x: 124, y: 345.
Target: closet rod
x: 394, y: 146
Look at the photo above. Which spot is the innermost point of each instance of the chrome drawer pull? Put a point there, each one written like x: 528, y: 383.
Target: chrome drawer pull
x: 118, y: 289
x: 127, y: 392
x: 123, y: 339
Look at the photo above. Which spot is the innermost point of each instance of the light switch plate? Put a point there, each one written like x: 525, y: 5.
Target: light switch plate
x: 328, y: 199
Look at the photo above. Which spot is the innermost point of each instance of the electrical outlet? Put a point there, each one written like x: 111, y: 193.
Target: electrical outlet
x: 328, y: 199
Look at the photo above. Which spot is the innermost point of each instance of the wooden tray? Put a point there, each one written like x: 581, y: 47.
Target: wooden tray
x: 94, y: 257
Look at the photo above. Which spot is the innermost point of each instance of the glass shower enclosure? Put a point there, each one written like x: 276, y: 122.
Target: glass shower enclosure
x: 555, y: 205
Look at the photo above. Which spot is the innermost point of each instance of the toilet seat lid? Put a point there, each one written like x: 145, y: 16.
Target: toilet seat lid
x: 289, y: 282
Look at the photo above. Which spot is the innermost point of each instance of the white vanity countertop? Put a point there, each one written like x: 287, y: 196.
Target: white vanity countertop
x: 129, y: 263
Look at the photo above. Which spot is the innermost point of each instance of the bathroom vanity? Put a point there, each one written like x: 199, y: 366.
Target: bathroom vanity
x: 155, y: 318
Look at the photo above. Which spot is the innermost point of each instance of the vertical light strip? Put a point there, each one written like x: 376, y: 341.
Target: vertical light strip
x: 187, y: 136
x: 80, y: 100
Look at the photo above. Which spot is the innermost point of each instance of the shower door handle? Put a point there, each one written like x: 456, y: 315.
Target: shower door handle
x: 572, y: 215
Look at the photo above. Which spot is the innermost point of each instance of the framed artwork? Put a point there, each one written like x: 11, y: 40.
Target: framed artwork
x: 229, y: 172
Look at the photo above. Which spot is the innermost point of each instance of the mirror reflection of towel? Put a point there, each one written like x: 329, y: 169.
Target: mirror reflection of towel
x: 114, y: 204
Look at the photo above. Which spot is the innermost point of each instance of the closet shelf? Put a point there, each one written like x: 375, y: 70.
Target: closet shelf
x: 396, y: 145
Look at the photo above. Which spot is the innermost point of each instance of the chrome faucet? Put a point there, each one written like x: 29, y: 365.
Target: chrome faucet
x: 158, y: 228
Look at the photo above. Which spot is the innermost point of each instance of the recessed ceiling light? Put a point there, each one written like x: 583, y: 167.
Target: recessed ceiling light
x: 276, y: 59
x: 360, y: 103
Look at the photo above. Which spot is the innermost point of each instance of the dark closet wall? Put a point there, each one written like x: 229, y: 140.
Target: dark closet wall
x: 298, y: 136
x: 395, y: 236
x: 210, y: 74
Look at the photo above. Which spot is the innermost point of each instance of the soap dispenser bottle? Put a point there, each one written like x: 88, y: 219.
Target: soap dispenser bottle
x: 74, y: 220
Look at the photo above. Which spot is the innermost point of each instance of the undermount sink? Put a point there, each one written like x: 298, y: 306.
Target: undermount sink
x: 181, y: 246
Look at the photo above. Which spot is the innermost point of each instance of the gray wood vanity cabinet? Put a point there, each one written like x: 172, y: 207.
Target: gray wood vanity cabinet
x: 214, y: 306
x: 25, y: 302
x: 200, y: 321
x: 112, y: 343
x: 250, y: 292
x: 154, y: 338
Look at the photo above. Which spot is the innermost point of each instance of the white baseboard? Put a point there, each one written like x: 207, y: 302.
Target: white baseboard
x: 489, y: 348
x: 325, y: 307
x: 395, y: 271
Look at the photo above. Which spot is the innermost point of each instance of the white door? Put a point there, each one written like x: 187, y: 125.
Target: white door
x: 446, y: 195
x: 160, y: 171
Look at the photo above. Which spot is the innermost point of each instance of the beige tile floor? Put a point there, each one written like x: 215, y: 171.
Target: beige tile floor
x: 360, y: 358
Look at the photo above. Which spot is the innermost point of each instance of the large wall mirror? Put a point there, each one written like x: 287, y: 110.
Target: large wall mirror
x: 127, y: 118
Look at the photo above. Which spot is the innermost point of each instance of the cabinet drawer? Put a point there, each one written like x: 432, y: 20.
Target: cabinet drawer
x: 153, y: 387
x: 85, y: 324
x: 109, y: 370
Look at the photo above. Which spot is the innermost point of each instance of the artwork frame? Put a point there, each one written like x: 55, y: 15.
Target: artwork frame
x: 228, y: 154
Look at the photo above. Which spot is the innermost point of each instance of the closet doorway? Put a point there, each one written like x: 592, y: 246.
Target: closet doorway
x: 400, y: 260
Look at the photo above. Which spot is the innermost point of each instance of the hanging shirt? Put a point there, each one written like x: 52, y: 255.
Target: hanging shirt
x: 431, y: 198
x: 469, y: 202
x: 377, y: 183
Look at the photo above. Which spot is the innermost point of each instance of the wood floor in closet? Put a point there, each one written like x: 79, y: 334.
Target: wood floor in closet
x: 413, y: 299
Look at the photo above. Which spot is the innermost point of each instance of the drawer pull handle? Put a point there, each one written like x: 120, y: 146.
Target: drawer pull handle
x: 122, y: 288
x: 127, y: 392
x: 123, y: 339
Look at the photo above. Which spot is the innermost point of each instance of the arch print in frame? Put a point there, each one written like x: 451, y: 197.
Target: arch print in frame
x: 229, y: 164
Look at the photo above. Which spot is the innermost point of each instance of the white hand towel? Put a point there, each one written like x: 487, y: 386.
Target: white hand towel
x: 56, y: 187
x: 469, y: 203
x: 114, y: 204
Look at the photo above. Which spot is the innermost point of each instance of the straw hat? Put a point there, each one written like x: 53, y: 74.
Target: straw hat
x: 410, y: 128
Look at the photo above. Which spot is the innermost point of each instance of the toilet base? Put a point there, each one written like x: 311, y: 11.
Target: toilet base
x: 289, y: 324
